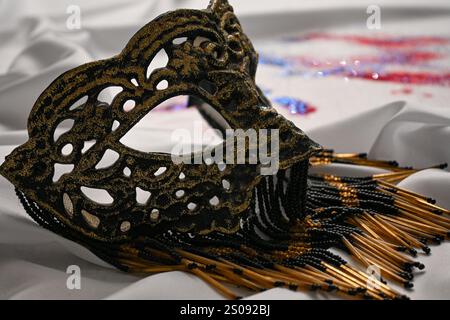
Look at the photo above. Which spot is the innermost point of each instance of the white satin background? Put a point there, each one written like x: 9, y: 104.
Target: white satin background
x: 360, y: 116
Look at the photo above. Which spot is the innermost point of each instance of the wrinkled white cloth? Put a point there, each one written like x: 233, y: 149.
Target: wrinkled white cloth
x: 351, y: 116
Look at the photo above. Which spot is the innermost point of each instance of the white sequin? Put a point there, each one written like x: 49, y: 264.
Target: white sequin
x: 154, y: 215
x: 91, y: 220
x: 125, y: 226
x: 68, y: 204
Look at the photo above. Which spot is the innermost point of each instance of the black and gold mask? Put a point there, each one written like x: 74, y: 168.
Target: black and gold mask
x: 225, y: 223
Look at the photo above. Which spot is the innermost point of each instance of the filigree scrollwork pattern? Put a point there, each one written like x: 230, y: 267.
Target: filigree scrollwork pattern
x: 209, y: 57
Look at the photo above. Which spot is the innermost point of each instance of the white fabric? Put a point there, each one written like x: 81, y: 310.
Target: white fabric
x: 358, y: 115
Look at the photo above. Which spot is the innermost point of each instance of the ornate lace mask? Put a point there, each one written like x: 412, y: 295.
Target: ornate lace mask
x: 216, y: 63
x: 209, y: 219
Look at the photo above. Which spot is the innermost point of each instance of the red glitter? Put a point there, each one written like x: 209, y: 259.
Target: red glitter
x: 403, y: 57
x: 385, y: 41
x: 402, y: 91
x: 409, y: 77
x: 392, y: 51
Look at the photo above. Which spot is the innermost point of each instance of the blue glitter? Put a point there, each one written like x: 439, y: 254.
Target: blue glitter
x: 295, y: 106
x: 273, y: 61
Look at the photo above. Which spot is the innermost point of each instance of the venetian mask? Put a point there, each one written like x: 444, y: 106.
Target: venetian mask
x: 157, y: 207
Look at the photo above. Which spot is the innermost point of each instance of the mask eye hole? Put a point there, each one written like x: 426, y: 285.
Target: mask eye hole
x: 181, y: 137
x: 137, y: 136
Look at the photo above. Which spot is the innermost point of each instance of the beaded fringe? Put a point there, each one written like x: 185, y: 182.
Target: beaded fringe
x: 285, y: 241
